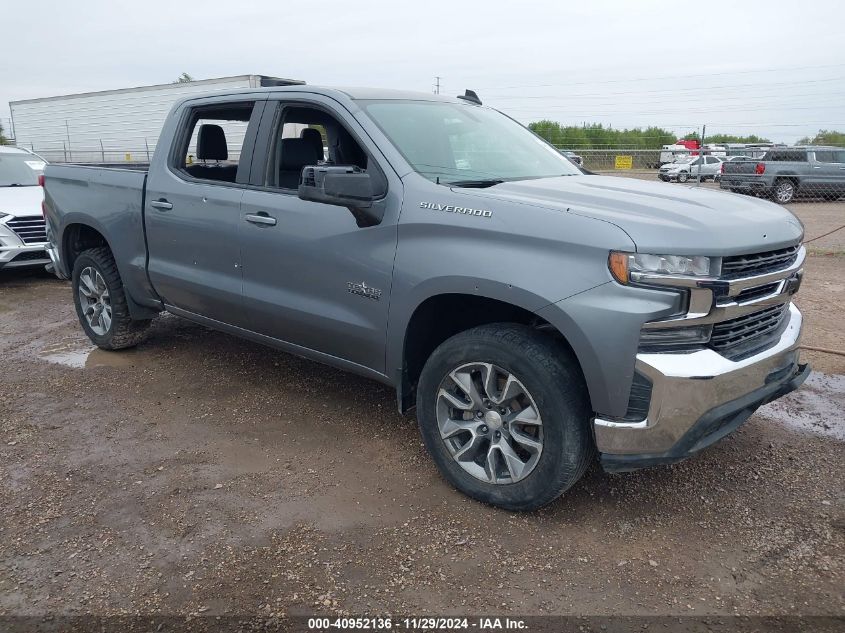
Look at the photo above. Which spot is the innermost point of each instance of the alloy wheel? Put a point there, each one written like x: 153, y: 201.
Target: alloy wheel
x: 489, y: 423
x: 95, y: 300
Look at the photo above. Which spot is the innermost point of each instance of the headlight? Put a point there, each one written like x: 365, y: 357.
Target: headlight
x: 623, y: 265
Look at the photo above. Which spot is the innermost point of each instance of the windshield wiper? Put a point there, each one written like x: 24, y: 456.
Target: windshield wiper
x: 17, y: 184
x: 476, y: 184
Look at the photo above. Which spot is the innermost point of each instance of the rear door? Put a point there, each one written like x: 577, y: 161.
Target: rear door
x: 828, y: 167
x: 192, y: 208
x: 314, y: 277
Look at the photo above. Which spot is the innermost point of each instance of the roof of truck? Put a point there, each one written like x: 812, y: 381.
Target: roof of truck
x: 354, y: 93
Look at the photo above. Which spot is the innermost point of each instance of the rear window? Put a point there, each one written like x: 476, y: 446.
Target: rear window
x: 781, y: 156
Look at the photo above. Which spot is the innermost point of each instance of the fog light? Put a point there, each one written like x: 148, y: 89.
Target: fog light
x: 680, y: 338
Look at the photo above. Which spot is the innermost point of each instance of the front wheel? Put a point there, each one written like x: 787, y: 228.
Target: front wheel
x: 683, y: 176
x: 503, y: 412
x: 101, y: 302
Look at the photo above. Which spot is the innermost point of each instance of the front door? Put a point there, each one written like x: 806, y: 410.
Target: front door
x: 312, y: 277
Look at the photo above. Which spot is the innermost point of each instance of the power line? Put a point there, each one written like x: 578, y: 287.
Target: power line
x: 681, y: 108
x: 671, y: 90
x: 769, y: 97
x: 667, y: 77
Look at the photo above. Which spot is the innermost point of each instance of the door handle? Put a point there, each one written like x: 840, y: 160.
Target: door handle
x: 260, y: 218
x: 162, y: 205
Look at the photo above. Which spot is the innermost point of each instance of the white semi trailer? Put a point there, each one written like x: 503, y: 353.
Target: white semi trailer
x: 115, y: 126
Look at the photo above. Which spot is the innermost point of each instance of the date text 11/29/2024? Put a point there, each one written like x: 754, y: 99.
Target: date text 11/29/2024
x: 417, y: 624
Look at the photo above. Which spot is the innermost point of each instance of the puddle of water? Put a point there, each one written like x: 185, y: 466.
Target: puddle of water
x: 78, y: 355
x: 817, y: 407
x: 67, y: 354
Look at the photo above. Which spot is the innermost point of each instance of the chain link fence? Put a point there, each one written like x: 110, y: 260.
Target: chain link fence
x: 779, y: 172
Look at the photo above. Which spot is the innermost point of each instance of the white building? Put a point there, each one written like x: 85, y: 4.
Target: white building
x: 112, y: 125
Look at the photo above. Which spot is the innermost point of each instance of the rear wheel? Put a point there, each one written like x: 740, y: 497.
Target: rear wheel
x: 503, y: 412
x: 784, y: 191
x: 101, y: 302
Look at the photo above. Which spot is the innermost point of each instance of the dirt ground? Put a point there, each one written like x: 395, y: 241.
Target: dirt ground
x: 200, y: 473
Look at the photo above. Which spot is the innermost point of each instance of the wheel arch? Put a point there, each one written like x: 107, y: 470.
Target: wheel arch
x: 436, y: 317
x: 81, y: 234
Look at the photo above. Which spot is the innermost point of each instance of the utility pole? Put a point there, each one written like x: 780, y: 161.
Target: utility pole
x: 701, y: 153
x: 437, y: 85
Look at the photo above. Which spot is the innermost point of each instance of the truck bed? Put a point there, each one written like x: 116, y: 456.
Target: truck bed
x: 109, y: 199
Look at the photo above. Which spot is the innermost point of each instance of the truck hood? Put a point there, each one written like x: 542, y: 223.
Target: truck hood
x: 21, y: 200
x: 660, y: 218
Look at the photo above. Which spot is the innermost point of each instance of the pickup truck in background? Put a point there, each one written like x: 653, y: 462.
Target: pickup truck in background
x: 785, y: 173
x: 534, y: 316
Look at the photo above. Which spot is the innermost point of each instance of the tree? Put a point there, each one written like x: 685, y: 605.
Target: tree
x: 184, y: 78
x: 3, y: 139
x: 596, y: 135
x: 825, y: 137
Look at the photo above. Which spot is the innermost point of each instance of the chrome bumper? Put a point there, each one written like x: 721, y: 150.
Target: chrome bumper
x: 8, y: 255
x: 700, y: 387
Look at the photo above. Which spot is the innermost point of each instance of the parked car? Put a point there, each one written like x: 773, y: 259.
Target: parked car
x: 22, y: 230
x: 534, y: 316
x: 572, y: 156
x: 783, y: 173
x: 691, y: 167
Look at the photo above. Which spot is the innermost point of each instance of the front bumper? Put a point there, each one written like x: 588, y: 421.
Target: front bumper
x: 14, y: 256
x: 699, y: 397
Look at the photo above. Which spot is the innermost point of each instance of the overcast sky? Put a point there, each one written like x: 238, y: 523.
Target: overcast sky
x: 771, y: 67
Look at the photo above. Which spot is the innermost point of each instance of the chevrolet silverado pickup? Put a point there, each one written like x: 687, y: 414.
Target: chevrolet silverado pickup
x: 536, y: 318
x: 786, y: 172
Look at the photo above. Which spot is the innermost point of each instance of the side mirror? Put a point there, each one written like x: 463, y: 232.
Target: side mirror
x: 344, y: 186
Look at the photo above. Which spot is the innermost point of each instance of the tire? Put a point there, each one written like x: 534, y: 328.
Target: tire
x: 120, y: 330
x: 683, y: 176
x: 553, y: 393
x: 784, y: 190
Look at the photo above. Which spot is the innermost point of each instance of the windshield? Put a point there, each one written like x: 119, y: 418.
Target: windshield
x: 684, y: 159
x: 20, y: 170
x: 453, y: 143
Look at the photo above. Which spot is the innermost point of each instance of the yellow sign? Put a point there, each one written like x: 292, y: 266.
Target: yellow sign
x: 129, y: 157
x: 624, y: 162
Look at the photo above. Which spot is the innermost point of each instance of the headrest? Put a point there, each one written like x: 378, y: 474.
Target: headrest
x: 297, y: 153
x: 314, y: 137
x: 211, y: 143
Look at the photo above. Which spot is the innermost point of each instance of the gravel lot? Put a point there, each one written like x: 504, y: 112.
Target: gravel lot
x: 200, y: 473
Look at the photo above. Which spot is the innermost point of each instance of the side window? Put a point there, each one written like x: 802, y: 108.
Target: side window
x: 831, y: 156
x: 710, y: 160
x: 305, y: 136
x: 211, y: 141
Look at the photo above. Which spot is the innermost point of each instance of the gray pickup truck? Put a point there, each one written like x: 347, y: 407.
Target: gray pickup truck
x: 785, y: 172
x: 534, y: 316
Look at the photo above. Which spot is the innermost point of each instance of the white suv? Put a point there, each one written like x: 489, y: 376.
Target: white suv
x: 23, y: 237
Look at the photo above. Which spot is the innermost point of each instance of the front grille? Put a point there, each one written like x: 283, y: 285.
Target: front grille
x: 31, y: 229
x: 30, y: 256
x: 737, y: 266
x: 749, y: 333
